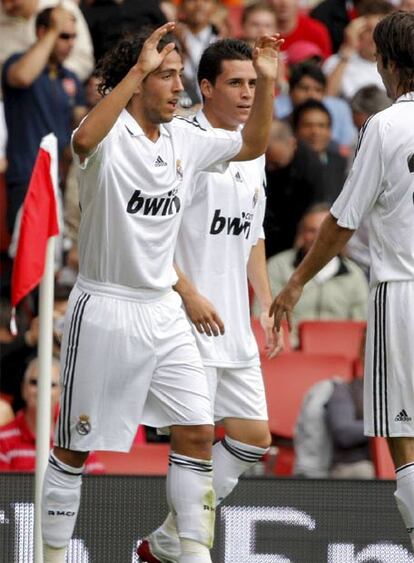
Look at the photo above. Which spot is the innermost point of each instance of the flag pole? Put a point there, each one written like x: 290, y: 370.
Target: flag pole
x: 45, y: 353
x: 43, y: 419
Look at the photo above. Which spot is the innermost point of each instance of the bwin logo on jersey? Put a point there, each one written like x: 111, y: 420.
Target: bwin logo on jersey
x: 169, y: 205
x: 231, y: 225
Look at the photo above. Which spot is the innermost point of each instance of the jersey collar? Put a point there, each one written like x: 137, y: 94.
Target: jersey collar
x: 200, y: 116
x: 407, y: 97
x: 133, y: 126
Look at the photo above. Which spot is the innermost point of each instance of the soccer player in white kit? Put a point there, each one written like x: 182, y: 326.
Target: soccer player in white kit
x: 128, y: 352
x: 380, y: 187
x: 219, y: 247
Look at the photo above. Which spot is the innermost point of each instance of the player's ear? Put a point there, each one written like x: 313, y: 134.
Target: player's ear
x: 206, y: 88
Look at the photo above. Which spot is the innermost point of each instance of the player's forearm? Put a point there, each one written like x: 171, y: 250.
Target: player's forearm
x: 257, y: 129
x: 28, y: 68
x: 258, y: 277
x: 102, y: 118
x: 184, y: 286
x: 330, y: 241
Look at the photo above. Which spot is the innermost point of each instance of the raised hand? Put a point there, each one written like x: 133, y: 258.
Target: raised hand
x: 266, y: 56
x: 149, y: 58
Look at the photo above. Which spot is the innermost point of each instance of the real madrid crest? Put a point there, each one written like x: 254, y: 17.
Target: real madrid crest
x: 179, y: 169
x: 83, y: 426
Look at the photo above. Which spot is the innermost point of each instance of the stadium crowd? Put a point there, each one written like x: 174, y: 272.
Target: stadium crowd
x: 327, y: 87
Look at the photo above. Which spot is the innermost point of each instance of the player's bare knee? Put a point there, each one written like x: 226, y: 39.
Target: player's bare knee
x: 70, y: 457
x: 194, y: 441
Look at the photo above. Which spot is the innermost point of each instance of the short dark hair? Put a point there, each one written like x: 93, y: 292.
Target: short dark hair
x: 117, y: 62
x: 222, y: 50
x: 261, y: 6
x: 394, y: 39
x: 309, y: 105
x: 43, y: 18
x: 307, y: 68
x: 370, y: 100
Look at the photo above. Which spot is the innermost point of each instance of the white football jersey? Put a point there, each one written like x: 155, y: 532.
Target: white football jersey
x: 132, y: 193
x: 222, y: 221
x: 380, y: 185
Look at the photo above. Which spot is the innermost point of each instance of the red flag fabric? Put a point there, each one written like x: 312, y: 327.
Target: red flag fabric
x: 39, y: 221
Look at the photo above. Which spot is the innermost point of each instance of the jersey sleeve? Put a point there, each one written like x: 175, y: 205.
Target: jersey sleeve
x: 211, y: 148
x: 258, y: 231
x: 365, y: 182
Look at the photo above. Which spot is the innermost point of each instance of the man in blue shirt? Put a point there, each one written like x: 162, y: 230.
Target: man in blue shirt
x: 40, y: 97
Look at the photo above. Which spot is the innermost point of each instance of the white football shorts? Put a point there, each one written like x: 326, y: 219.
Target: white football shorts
x: 389, y: 361
x: 237, y: 392
x: 124, y: 362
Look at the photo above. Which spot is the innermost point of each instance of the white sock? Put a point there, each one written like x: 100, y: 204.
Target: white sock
x: 404, y: 495
x: 230, y: 460
x: 193, y: 552
x: 60, y: 502
x: 227, y: 468
x: 191, y: 497
x: 53, y: 554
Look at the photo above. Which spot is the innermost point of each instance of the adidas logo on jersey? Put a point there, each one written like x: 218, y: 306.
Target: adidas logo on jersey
x: 238, y: 177
x: 231, y: 225
x: 169, y: 205
x: 402, y: 416
x: 160, y: 162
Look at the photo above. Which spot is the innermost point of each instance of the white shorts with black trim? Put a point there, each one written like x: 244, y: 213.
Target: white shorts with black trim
x: 237, y: 392
x: 126, y: 362
x: 389, y: 361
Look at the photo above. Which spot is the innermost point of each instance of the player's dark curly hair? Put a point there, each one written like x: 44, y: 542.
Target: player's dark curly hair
x: 222, y: 50
x: 394, y: 39
x: 117, y: 62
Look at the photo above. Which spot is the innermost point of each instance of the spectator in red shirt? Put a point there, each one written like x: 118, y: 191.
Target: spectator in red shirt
x: 18, y: 438
x: 296, y: 26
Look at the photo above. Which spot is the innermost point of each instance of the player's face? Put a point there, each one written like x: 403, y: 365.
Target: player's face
x: 230, y: 99
x: 314, y: 128
x: 161, y: 90
x: 305, y: 89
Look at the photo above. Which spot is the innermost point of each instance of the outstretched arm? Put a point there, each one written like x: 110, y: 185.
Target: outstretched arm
x: 257, y: 129
x: 257, y: 274
x: 330, y: 241
x: 102, y: 118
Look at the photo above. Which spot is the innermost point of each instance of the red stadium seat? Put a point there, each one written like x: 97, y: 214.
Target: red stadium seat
x: 384, y: 466
x: 332, y: 337
x: 145, y: 459
x: 260, y: 337
x: 288, y: 378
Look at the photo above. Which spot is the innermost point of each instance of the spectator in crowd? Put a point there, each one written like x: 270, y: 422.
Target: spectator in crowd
x: 293, y: 25
x: 294, y: 177
x: 354, y: 65
x: 336, y: 15
x: 366, y: 102
x: 312, y: 124
x: 339, y: 291
x: 40, y: 96
x: 6, y: 412
x: 197, y: 32
x: 18, y: 33
x: 3, y: 139
x: 258, y: 19
x: 344, y: 418
x: 18, y: 438
x: 18, y: 350
x: 308, y: 81
x: 108, y: 20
